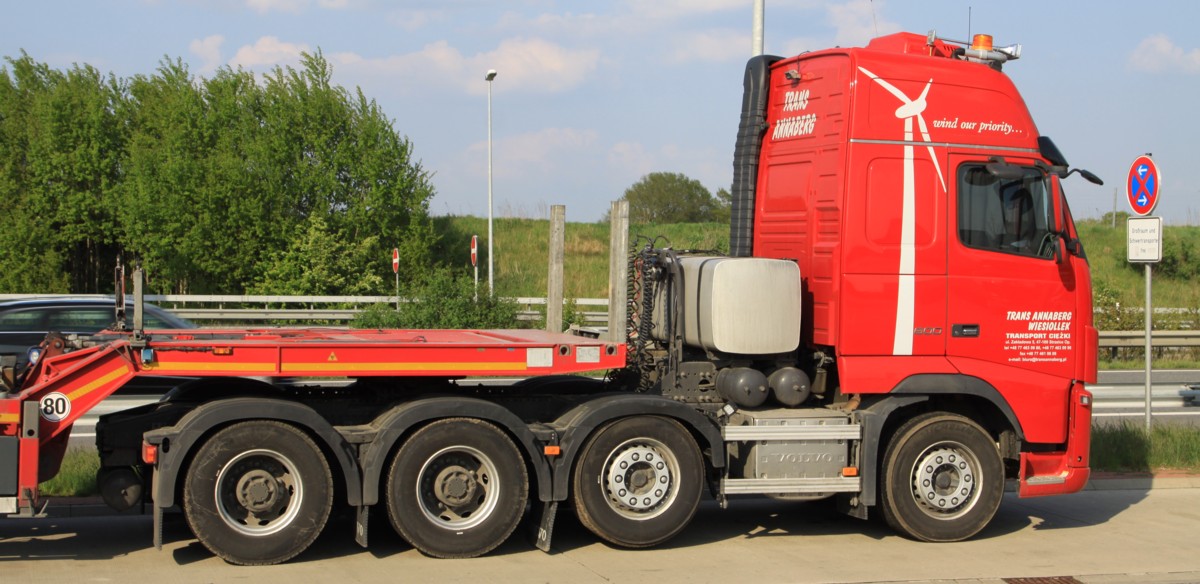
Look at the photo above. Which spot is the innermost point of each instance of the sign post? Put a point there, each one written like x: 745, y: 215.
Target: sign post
x: 396, y: 270
x: 1144, y: 239
x: 475, y: 262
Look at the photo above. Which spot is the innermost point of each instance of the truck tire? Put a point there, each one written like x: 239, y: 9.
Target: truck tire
x: 638, y: 481
x: 942, y: 478
x: 258, y: 492
x: 457, y: 488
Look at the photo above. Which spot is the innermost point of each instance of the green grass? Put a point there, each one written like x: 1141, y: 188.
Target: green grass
x: 522, y: 251
x: 76, y: 478
x: 1115, y: 448
x: 1126, y: 447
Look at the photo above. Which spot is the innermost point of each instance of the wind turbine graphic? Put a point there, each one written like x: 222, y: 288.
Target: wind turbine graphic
x: 906, y: 297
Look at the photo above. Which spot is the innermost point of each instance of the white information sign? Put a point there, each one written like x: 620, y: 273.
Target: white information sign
x: 1144, y: 238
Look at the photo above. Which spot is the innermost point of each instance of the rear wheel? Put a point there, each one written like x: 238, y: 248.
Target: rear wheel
x: 942, y: 478
x: 638, y: 481
x: 258, y: 493
x: 457, y: 488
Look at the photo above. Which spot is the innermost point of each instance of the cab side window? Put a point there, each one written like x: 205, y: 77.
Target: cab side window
x: 1012, y: 216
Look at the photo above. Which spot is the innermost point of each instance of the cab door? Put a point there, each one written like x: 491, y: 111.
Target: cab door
x: 1011, y: 298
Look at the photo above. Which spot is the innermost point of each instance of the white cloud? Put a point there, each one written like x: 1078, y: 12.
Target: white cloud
x: 412, y: 20
x: 268, y: 51
x: 630, y: 158
x: 858, y: 21
x: 1157, y: 54
x: 524, y: 65
x: 208, y: 49
x: 538, y: 149
x: 293, y: 6
x: 265, y: 6
x: 676, y: 9
x: 711, y: 46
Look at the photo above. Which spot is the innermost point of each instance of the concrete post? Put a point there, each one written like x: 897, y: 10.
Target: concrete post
x: 554, y: 278
x: 618, y: 272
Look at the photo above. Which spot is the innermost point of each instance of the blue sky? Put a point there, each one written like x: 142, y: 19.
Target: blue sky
x: 591, y: 96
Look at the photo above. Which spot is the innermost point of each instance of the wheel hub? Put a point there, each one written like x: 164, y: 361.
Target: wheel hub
x: 456, y: 486
x: 638, y: 478
x: 257, y: 491
x: 944, y: 480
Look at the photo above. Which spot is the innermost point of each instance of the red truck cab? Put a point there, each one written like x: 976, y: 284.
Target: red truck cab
x: 909, y: 181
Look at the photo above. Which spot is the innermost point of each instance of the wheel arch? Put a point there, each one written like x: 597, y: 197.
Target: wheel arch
x: 580, y: 424
x: 397, y: 423
x: 968, y: 396
x: 177, y: 444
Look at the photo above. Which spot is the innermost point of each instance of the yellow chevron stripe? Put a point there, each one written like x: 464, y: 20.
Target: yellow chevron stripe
x: 98, y: 382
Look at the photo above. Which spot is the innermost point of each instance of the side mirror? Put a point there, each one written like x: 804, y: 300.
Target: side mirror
x: 1086, y: 174
x: 1090, y: 177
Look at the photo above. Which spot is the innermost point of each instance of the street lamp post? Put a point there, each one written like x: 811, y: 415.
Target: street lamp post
x: 491, y: 74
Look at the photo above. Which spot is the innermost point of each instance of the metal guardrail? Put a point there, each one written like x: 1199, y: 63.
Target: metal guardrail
x: 186, y: 306
x: 232, y: 308
x: 1110, y: 339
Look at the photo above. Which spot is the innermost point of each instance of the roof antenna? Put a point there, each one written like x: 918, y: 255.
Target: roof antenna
x: 968, y: 21
x: 873, y: 21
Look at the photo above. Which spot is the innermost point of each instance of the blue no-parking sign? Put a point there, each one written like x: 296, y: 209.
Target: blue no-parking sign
x: 1143, y: 185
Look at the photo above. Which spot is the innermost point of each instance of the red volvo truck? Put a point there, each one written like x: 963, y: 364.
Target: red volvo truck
x: 904, y: 322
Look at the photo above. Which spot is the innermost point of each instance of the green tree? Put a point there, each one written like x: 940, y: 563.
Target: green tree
x: 443, y: 299
x: 214, y: 185
x: 59, y: 163
x: 669, y: 197
x: 317, y: 263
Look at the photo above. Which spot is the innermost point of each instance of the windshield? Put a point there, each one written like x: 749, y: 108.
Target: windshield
x: 1006, y: 215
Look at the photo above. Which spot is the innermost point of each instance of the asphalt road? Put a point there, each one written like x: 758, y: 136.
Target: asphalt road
x: 1098, y: 536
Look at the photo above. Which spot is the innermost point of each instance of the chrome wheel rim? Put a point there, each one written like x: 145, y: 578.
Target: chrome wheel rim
x: 259, y: 492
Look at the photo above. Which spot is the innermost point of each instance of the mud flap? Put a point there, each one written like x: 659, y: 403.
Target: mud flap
x: 545, y: 527
x: 158, y: 530
x: 362, y: 514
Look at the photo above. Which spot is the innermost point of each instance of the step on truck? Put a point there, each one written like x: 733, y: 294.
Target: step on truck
x: 903, y: 324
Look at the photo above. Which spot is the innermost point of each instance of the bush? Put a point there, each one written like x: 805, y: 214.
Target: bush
x: 442, y: 300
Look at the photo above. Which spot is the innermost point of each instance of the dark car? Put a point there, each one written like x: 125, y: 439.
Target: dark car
x: 24, y: 323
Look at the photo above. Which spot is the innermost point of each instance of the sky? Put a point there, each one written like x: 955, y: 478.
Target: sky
x: 591, y: 96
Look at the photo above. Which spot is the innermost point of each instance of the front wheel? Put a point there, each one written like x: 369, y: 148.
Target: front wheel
x: 942, y: 478
x: 638, y: 481
x: 258, y: 493
x: 457, y: 488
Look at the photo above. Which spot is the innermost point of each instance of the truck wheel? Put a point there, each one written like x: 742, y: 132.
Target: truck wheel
x: 942, y: 478
x: 258, y: 493
x: 638, y: 481
x: 457, y: 488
